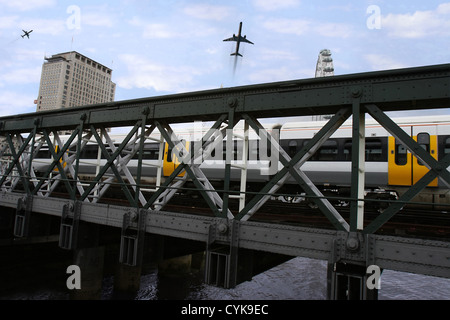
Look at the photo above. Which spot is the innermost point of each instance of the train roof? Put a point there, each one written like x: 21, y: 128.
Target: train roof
x: 434, y: 119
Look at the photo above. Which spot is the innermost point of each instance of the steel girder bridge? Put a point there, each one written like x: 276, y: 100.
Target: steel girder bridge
x: 346, y: 243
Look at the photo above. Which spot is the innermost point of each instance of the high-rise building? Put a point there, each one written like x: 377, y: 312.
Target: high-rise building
x: 71, y: 79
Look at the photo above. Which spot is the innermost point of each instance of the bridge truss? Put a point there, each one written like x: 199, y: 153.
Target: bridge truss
x: 345, y: 97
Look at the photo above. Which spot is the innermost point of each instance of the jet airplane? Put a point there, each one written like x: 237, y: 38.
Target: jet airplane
x: 238, y: 39
x: 26, y: 33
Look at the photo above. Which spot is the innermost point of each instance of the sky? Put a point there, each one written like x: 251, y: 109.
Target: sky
x: 160, y: 47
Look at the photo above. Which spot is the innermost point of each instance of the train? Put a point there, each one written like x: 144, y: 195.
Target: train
x: 390, y: 169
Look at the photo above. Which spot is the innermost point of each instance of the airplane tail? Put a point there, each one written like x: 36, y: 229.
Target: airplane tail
x: 236, y: 54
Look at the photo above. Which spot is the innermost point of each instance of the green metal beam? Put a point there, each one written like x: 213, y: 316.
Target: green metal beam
x: 392, y: 90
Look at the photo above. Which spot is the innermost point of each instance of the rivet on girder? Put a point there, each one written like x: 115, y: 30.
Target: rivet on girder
x: 356, y: 92
x: 146, y: 111
x: 232, y: 102
x: 83, y: 117
x: 352, y: 244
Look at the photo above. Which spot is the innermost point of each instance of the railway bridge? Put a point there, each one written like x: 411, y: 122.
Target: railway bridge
x: 232, y: 224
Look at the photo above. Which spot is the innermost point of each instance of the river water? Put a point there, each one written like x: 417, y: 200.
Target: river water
x: 296, y: 279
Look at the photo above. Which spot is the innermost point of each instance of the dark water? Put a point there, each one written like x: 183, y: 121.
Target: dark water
x: 297, y: 279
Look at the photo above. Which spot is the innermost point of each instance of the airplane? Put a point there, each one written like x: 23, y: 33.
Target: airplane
x: 238, y: 39
x: 27, y: 33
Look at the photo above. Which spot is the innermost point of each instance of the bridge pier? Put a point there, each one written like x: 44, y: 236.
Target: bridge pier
x: 90, y: 261
x: 347, y: 274
x: 349, y: 282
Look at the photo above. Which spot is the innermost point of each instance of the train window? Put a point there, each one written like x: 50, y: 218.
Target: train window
x: 43, y: 153
x: 348, y: 150
x: 401, y: 154
x: 447, y: 146
x: 328, y: 151
x: 169, y: 155
x: 292, y: 151
x: 374, y: 150
x: 89, y: 152
x: 150, y: 152
x: 423, y: 139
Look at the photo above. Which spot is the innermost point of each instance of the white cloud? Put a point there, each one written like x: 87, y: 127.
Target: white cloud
x: 16, y: 103
x: 45, y: 26
x: 419, y: 24
x: 154, y: 30
x: 279, y: 74
x: 27, y: 5
x: 7, y: 22
x: 272, y: 5
x: 274, y: 54
x: 143, y: 73
x: 335, y: 30
x: 21, y: 76
x: 288, y: 26
x: 97, y: 20
x: 301, y: 27
x: 208, y: 12
x: 383, y: 62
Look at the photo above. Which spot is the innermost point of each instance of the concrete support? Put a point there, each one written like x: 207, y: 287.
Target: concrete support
x: 349, y: 282
x: 127, y: 280
x: 90, y: 262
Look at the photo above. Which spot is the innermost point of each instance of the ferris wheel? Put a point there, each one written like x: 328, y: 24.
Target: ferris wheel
x: 324, y: 67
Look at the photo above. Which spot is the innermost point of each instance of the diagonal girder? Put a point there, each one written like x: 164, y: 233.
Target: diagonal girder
x: 437, y: 168
x: 199, y: 179
x: 110, y: 163
x: 56, y: 160
x: 160, y: 198
x: 123, y: 161
x: 291, y: 168
x: 395, y: 207
x: 409, y: 142
x: 16, y: 157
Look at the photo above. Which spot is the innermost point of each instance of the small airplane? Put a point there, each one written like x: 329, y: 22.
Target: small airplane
x: 26, y: 33
x: 238, y: 39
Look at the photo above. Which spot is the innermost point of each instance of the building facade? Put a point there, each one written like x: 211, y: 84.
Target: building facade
x: 71, y: 79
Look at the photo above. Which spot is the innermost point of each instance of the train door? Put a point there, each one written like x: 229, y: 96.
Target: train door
x: 404, y: 168
x: 427, y: 138
x: 171, y: 162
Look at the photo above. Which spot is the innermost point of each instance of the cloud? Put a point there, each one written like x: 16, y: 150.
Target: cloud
x: 154, y: 30
x: 272, y: 5
x: 208, y: 12
x: 143, y: 73
x: 15, y: 103
x: 301, y: 27
x: 27, y: 5
x: 288, y: 26
x: 97, y: 20
x: 7, y: 22
x: 21, y: 76
x: 45, y: 26
x: 383, y: 62
x: 419, y: 24
x: 279, y: 74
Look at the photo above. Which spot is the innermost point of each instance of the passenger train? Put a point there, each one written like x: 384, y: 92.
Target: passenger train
x: 390, y: 169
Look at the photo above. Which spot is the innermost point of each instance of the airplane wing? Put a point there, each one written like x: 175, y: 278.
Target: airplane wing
x: 232, y: 39
x: 243, y: 39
